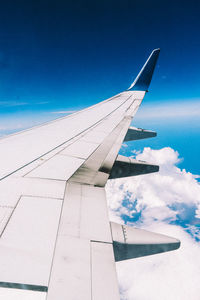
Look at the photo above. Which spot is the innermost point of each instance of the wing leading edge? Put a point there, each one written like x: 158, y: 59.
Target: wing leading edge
x: 56, y: 237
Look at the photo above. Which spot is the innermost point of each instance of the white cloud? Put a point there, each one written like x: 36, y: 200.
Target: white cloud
x: 171, y: 191
x: 167, y: 276
x: 166, y: 202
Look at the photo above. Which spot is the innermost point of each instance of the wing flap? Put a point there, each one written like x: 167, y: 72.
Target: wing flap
x: 84, y: 240
x: 71, y: 271
x: 104, y: 279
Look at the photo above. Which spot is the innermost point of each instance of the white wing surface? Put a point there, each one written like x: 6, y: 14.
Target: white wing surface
x: 56, y: 241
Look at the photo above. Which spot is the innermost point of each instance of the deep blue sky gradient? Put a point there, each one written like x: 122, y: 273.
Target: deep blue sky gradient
x: 66, y: 55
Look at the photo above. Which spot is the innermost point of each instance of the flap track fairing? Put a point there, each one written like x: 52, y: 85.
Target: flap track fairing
x: 134, y: 133
x: 126, y: 166
x: 129, y: 242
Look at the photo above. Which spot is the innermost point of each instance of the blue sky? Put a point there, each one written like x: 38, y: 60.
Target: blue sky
x: 61, y: 56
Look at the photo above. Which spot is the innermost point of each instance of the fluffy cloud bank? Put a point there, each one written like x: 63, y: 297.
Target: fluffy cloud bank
x: 166, y: 202
x: 171, y: 195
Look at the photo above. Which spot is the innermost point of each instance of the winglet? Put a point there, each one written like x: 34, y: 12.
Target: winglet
x: 142, y: 81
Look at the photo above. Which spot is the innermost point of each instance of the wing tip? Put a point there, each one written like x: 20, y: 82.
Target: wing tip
x: 156, y: 50
x: 143, y: 79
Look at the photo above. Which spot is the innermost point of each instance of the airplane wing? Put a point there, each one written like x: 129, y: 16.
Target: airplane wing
x: 56, y: 240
